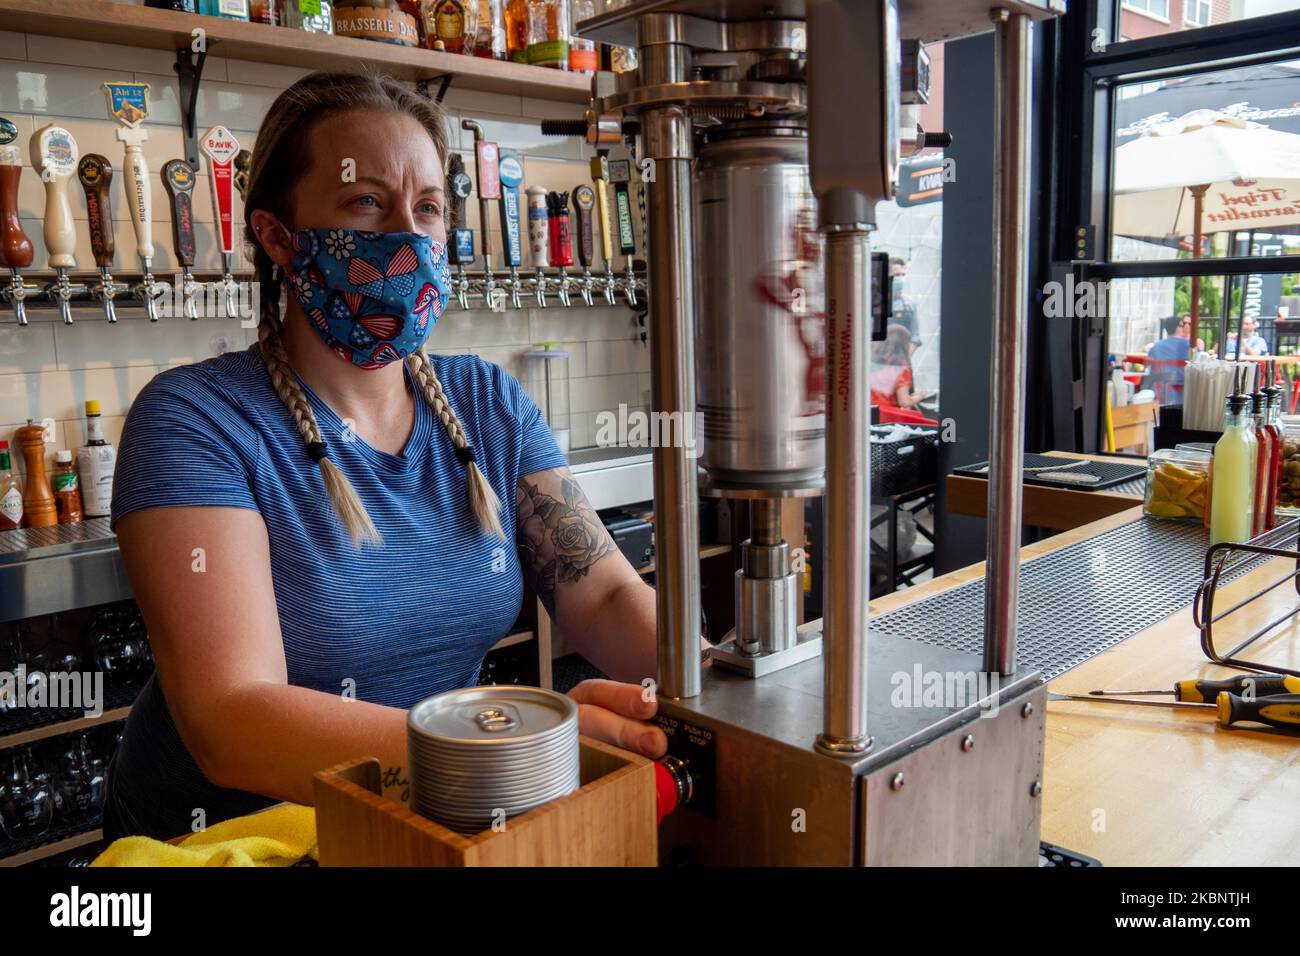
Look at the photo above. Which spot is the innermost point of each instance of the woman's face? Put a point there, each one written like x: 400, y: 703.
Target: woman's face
x: 373, y: 171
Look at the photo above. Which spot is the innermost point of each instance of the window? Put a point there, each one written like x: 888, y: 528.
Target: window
x: 1155, y: 8
x: 1196, y: 12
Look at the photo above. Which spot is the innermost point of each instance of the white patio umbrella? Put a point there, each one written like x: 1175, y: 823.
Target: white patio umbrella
x: 1206, y: 172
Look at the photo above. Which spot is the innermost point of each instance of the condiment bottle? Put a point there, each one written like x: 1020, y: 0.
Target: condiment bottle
x: 67, y: 491
x: 1263, y: 460
x: 38, y: 500
x: 1232, y: 495
x: 96, y: 460
x: 1274, y: 393
x: 11, y: 493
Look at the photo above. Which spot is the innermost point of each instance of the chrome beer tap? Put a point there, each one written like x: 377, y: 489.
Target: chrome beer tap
x: 539, y: 239
x: 557, y: 207
x: 178, y: 182
x: 95, y: 174
x: 487, y: 164
x: 460, y: 250
x: 54, y: 153
x: 129, y: 105
x: 600, y: 175
x: 511, y: 171
x: 584, y: 198
x: 620, y: 175
x: 222, y: 148
x: 17, y: 247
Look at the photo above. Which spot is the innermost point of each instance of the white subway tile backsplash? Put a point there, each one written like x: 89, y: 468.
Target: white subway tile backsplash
x: 49, y: 370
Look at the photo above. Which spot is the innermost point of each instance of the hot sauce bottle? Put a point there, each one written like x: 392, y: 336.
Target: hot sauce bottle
x: 11, y: 493
x: 67, y: 491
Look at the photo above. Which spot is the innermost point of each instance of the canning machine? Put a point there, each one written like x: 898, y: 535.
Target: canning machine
x: 766, y: 132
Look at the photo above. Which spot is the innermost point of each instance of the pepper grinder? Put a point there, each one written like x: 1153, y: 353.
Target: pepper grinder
x: 39, y: 507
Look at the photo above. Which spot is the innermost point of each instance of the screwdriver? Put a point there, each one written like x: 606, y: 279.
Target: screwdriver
x: 1205, y: 691
x: 1278, y: 710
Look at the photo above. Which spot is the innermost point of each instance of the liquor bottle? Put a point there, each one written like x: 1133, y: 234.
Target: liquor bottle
x: 491, y: 39
x: 11, y: 493
x: 67, y: 493
x: 1274, y: 393
x: 314, y: 16
x: 226, y: 9
x: 265, y: 11
x: 516, y: 20
x: 548, y: 33
x: 453, y: 23
x: 582, y: 52
x: 385, y: 21
x: 39, y: 509
x: 1232, y: 497
x: 96, y: 460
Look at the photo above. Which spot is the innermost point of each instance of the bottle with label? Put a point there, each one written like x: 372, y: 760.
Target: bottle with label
x: 1232, y: 495
x: 226, y: 9
x: 11, y: 493
x: 516, y: 21
x: 491, y: 39
x: 453, y: 23
x: 548, y: 33
x: 67, y: 492
x: 582, y: 52
x: 314, y: 16
x: 95, y: 461
x: 386, y: 21
x: 39, y: 510
x: 184, y: 6
x: 265, y: 11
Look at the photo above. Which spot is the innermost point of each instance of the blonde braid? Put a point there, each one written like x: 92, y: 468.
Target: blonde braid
x: 342, y: 495
x: 482, y: 499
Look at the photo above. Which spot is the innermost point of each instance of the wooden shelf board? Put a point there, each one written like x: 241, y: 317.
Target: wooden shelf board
x: 105, y: 21
x: 21, y: 737
x: 53, y: 849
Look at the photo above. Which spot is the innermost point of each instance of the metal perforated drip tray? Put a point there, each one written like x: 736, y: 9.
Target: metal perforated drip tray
x: 28, y: 543
x: 1075, y: 602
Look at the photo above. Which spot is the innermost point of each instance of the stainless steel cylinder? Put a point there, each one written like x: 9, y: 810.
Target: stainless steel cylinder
x: 761, y: 333
x: 672, y: 390
x: 662, y: 53
x: 848, y: 501
x: 1010, y: 302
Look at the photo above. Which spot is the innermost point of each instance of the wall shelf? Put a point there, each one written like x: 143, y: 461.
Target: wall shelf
x: 106, y: 21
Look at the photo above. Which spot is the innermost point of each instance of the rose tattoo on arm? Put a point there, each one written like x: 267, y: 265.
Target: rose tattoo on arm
x: 559, y: 538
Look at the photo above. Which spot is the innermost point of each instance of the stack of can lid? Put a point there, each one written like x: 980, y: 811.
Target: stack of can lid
x: 483, y: 754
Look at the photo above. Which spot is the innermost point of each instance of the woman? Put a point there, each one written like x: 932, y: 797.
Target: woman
x: 891, y: 371
x: 314, y: 527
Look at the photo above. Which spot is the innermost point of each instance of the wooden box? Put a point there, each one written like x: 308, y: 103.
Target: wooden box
x: 608, y: 821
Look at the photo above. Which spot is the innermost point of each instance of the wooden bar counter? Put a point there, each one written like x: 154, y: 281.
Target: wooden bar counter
x: 1153, y: 786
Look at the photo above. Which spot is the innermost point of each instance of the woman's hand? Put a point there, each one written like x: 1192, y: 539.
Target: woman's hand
x: 619, y: 714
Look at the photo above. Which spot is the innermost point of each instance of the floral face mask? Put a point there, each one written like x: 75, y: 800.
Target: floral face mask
x: 372, y: 297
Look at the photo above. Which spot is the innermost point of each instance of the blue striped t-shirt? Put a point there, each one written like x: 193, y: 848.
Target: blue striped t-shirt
x: 393, y: 623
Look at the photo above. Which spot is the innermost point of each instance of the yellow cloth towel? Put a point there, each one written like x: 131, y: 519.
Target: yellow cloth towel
x: 279, y: 836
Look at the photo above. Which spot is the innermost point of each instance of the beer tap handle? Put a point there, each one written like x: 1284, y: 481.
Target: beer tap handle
x: 178, y: 182
x: 620, y: 173
x: 511, y: 172
x: 584, y: 198
x: 539, y: 239
x: 17, y: 247
x: 54, y: 153
x: 600, y: 175
x: 557, y: 208
x: 460, y: 250
x: 223, y: 153
x: 95, y: 174
x: 487, y: 177
x: 139, y: 200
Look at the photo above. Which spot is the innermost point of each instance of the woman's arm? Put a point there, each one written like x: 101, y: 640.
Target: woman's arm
x: 592, y: 592
x: 202, y: 578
